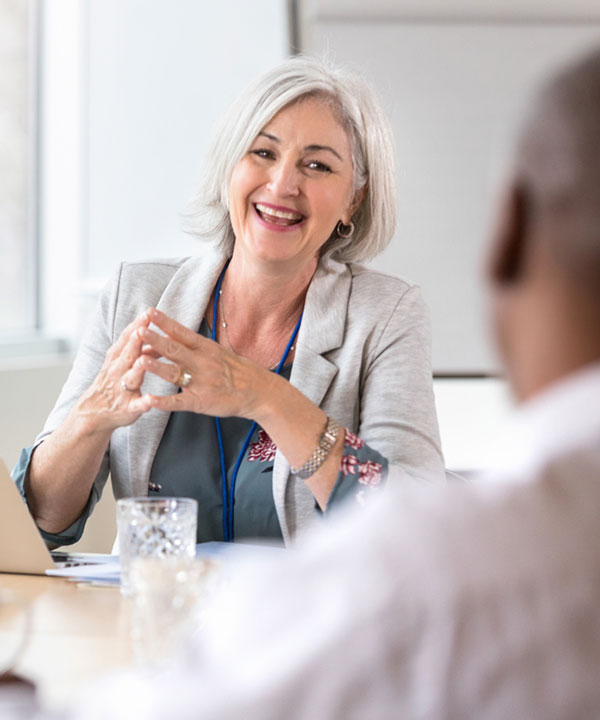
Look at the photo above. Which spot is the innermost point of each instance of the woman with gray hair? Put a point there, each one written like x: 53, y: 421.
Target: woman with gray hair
x: 270, y: 377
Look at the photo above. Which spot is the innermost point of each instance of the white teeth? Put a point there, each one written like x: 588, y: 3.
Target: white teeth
x: 278, y: 213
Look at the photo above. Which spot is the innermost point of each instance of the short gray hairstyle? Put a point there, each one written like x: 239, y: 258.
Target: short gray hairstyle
x: 360, y: 114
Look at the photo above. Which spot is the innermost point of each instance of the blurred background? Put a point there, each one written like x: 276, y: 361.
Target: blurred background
x: 106, y: 111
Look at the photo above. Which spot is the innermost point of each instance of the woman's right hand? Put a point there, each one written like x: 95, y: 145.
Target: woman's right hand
x: 109, y: 403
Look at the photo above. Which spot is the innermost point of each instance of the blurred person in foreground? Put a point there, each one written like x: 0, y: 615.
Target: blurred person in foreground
x: 468, y: 601
x: 294, y: 375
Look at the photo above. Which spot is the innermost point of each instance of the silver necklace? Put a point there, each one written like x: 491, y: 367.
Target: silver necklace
x: 224, y: 325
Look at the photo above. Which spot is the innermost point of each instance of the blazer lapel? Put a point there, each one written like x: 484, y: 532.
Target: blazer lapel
x: 322, y: 331
x: 185, y: 299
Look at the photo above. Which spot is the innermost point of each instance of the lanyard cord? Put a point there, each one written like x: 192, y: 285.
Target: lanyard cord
x: 218, y: 424
x: 228, y: 503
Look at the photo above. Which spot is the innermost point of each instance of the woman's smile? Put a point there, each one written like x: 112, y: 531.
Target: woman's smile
x: 278, y: 218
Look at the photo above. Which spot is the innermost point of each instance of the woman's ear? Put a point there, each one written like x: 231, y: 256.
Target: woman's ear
x: 507, y: 254
x: 358, y: 198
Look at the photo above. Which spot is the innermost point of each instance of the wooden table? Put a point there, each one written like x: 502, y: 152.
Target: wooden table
x: 78, y: 632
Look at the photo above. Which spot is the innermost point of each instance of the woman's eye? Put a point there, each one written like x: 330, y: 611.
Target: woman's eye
x: 316, y: 165
x: 262, y: 153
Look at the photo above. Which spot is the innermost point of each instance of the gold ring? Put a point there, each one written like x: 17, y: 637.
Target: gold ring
x: 184, y: 379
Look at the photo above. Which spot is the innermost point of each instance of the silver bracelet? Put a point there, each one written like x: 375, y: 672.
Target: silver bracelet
x: 321, y: 453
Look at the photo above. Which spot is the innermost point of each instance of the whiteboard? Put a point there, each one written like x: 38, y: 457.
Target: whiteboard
x: 454, y: 92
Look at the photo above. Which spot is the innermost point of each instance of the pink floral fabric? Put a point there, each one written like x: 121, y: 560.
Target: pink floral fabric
x: 263, y: 449
x: 349, y: 463
x: 352, y: 440
x: 367, y: 473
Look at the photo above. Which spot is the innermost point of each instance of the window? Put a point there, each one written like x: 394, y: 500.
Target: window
x: 18, y: 271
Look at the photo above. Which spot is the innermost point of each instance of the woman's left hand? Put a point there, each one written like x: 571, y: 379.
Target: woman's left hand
x: 222, y: 383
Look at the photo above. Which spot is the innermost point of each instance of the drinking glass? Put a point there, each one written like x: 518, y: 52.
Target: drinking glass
x: 155, y: 528
x: 169, y: 596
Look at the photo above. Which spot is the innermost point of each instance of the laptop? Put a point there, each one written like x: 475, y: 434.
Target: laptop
x: 22, y: 548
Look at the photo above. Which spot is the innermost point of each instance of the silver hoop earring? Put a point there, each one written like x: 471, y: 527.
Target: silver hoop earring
x: 345, y: 231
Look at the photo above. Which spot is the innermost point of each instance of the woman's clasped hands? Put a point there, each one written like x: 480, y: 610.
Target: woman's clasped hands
x: 212, y: 379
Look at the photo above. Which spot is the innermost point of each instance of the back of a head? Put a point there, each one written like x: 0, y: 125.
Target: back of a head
x: 559, y: 162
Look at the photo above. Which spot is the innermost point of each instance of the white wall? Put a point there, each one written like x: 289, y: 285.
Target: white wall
x: 28, y: 391
x: 472, y: 414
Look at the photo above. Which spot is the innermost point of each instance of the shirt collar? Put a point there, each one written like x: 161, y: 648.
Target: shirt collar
x: 554, y: 422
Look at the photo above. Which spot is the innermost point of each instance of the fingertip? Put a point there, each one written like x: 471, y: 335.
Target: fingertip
x: 144, y: 362
x: 141, y: 318
x: 152, y: 400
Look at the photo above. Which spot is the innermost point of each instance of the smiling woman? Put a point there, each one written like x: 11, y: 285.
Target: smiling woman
x: 289, y: 378
x: 286, y: 164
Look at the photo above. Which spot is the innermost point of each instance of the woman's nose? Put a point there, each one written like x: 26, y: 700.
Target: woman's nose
x: 284, y: 179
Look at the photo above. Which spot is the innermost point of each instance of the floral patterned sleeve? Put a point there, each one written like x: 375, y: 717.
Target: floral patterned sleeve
x: 362, y: 472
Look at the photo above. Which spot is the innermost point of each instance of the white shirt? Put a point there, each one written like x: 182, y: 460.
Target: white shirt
x: 448, y: 602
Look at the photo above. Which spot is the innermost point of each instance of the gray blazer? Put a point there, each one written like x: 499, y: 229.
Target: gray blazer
x: 362, y: 354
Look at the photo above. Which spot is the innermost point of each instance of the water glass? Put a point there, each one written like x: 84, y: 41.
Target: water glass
x: 169, y: 597
x: 155, y: 528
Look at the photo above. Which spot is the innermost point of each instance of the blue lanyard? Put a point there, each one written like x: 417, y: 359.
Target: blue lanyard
x: 228, y: 503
